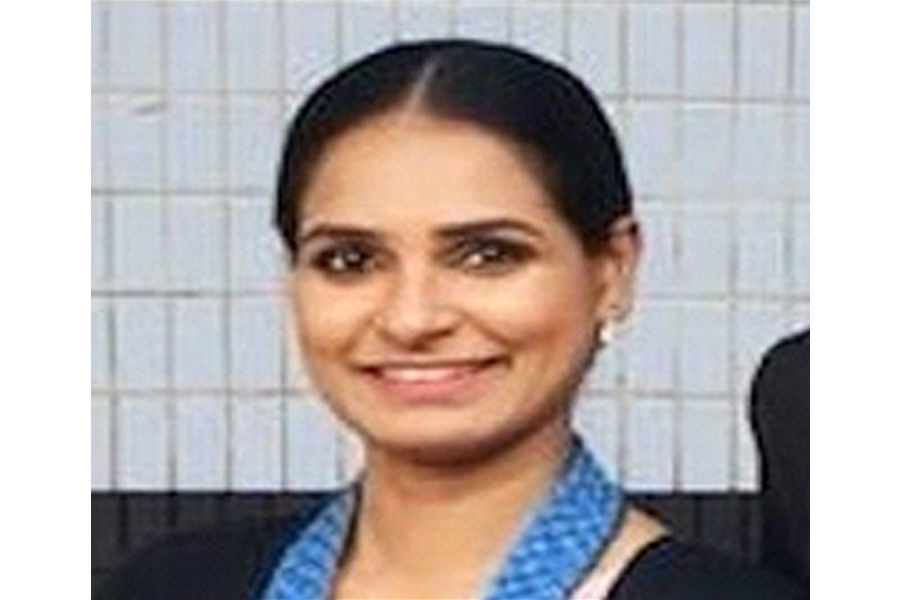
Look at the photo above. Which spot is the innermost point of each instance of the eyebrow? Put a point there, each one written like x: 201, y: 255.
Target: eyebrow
x: 488, y: 226
x: 326, y: 230
x: 452, y: 231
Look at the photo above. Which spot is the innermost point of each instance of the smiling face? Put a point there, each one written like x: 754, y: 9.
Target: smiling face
x: 443, y: 307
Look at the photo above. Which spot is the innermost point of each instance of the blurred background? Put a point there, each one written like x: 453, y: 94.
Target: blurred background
x: 194, y: 384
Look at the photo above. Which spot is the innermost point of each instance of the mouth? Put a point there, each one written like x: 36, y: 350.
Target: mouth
x: 431, y: 382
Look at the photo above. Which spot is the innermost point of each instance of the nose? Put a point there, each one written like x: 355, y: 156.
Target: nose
x: 416, y: 311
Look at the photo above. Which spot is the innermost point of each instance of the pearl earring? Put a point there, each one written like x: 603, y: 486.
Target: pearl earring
x: 604, y: 334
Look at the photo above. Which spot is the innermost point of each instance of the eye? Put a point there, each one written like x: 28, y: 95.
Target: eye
x: 345, y: 260
x: 489, y: 255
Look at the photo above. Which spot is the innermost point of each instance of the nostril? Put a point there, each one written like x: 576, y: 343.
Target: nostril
x: 414, y: 313
x: 416, y: 330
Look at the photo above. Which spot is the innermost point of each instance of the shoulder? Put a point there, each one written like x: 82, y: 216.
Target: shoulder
x: 218, y: 562
x: 790, y: 347
x: 672, y: 570
x: 785, y: 363
x: 779, y: 397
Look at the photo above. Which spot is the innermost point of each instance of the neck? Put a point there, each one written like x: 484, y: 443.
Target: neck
x: 447, y: 523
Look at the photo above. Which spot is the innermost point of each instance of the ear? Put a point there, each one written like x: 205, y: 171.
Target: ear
x: 615, y: 268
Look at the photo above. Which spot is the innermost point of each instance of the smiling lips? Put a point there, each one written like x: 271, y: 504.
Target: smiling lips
x: 429, y: 382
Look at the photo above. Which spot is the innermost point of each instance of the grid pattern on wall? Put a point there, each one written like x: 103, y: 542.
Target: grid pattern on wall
x: 194, y: 382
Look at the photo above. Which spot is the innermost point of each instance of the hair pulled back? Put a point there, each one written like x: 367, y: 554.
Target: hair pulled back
x: 540, y: 107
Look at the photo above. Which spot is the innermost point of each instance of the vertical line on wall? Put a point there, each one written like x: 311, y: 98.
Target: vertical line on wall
x: 624, y: 83
x: 452, y: 18
x: 102, y: 8
x: 735, y: 90
x: 109, y: 315
x: 509, y: 19
x: 109, y: 312
x: 565, y: 32
x: 790, y: 91
x: 678, y: 191
x: 733, y: 263
x: 284, y: 391
x: 339, y: 31
x: 171, y: 429
x: 789, y: 204
x: 394, y: 10
x: 791, y: 54
x: 224, y: 162
x: 787, y: 114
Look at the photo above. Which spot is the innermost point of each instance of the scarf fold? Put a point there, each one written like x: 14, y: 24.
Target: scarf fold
x: 559, y: 545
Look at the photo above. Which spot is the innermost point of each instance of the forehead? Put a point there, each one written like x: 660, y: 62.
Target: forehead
x: 409, y: 167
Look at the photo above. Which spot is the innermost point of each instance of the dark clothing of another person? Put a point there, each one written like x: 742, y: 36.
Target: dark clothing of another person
x: 780, y: 415
x: 234, y: 562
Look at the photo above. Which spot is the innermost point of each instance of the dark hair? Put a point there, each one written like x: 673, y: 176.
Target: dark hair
x: 541, y: 107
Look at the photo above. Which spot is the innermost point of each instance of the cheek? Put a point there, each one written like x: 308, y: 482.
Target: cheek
x: 544, y: 313
x: 327, y: 321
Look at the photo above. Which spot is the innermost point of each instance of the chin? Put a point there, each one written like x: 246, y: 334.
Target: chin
x: 443, y: 452
x: 449, y: 433
x: 448, y: 444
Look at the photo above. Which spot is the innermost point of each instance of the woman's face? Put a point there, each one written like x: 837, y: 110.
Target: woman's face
x: 442, y: 305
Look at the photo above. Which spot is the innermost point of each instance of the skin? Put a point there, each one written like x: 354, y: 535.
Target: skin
x: 446, y: 313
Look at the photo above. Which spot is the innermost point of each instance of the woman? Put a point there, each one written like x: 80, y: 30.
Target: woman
x: 460, y: 230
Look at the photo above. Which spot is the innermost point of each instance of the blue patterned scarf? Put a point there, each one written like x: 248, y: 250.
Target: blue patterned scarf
x: 556, y: 550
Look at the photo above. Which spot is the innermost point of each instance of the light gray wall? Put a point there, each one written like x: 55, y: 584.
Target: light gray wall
x: 193, y: 384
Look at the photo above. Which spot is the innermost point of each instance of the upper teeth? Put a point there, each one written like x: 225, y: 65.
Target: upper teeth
x: 420, y: 374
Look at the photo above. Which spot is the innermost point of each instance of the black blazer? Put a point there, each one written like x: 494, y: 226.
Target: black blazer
x: 235, y: 561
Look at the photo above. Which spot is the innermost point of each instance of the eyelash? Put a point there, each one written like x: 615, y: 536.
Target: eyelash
x: 345, y: 260
x: 475, y: 255
x: 492, y: 256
